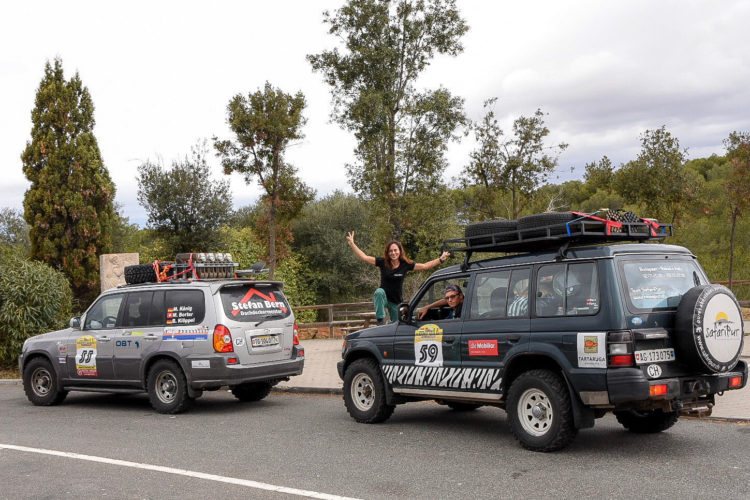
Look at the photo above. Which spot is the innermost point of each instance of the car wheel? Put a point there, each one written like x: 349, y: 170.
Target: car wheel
x: 539, y: 411
x: 139, y: 273
x: 462, y: 406
x: 252, y: 392
x: 647, y: 422
x: 502, y: 228
x: 555, y: 220
x: 364, y: 392
x: 167, y: 388
x: 40, y: 383
x: 709, y: 328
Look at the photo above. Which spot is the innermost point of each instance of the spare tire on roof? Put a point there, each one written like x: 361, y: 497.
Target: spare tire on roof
x: 555, y: 219
x: 139, y: 273
x: 488, y: 228
x: 708, y: 328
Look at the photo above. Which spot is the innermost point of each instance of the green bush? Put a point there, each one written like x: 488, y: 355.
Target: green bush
x: 34, y: 298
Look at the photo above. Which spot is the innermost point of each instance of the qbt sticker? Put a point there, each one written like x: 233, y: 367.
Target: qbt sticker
x: 86, y: 356
x: 428, y: 346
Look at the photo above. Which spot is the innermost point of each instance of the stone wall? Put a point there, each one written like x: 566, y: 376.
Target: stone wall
x: 112, y: 268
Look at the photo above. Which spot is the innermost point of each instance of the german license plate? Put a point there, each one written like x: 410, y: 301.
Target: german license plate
x: 654, y: 356
x: 264, y: 340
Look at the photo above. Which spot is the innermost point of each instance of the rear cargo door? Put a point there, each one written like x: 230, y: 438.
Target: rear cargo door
x: 260, y: 321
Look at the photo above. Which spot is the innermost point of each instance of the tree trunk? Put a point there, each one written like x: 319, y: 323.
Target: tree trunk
x: 272, y: 238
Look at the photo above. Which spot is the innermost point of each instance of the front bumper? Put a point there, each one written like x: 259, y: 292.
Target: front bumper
x: 628, y: 385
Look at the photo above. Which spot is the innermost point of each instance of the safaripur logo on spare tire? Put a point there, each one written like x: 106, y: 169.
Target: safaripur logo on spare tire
x: 714, y: 320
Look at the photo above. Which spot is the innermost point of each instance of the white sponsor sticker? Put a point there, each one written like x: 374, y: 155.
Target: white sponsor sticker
x: 591, y: 350
x: 428, y: 346
x: 200, y: 363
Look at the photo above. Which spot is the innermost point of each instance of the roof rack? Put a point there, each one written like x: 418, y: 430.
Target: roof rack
x: 581, y: 229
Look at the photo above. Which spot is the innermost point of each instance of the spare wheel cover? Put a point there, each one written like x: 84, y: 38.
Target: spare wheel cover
x: 709, y: 328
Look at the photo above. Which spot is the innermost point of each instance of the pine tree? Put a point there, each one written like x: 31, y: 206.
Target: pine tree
x: 69, y: 205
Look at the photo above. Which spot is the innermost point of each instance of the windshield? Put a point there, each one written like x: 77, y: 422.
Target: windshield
x: 250, y: 303
x: 659, y: 284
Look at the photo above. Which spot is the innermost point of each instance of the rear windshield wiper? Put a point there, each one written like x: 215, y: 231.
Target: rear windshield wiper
x: 268, y: 318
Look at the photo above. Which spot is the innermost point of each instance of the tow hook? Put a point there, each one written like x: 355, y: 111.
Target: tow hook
x: 698, y: 387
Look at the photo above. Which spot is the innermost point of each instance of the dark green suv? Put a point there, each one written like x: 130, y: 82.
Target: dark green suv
x: 570, y: 317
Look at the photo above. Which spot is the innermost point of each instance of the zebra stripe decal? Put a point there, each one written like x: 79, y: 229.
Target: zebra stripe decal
x: 438, y: 376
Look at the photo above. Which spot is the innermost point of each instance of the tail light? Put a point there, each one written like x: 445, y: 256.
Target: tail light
x: 620, y: 349
x: 735, y: 381
x: 222, y: 339
x: 296, y: 334
x: 658, y: 390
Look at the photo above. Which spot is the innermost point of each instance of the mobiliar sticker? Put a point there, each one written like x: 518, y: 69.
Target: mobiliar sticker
x: 590, y: 348
x: 428, y: 346
x: 86, y: 356
x: 483, y: 347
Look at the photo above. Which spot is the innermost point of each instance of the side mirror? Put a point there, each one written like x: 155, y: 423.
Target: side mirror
x: 403, y: 313
x: 75, y: 323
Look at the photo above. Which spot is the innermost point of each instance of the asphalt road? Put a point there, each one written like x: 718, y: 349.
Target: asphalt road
x: 308, y: 442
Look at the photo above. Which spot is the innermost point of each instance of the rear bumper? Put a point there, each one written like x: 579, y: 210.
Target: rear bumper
x: 220, y: 374
x: 626, y: 385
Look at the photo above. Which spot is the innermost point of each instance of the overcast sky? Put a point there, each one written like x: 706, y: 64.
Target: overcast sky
x: 161, y: 74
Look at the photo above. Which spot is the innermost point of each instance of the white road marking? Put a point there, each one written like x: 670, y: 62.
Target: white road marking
x: 180, y: 472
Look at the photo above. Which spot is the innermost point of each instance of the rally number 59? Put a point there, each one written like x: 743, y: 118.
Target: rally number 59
x: 428, y: 351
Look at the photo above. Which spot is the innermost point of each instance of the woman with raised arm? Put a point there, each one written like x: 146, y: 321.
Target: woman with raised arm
x: 393, y: 268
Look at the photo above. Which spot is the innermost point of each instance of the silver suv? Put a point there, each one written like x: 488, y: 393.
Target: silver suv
x: 173, y: 340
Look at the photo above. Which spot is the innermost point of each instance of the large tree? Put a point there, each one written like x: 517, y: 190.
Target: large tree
x: 516, y: 165
x: 69, y: 204
x: 657, y: 179
x: 401, y: 133
x: 265, y: 122
x: 737, y: 185
x: 184, y: 204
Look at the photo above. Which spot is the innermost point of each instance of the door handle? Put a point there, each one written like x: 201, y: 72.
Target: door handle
x: 103, y: 338
x: 513, y: 338
x: 449, y: 340
x: 150, y: 336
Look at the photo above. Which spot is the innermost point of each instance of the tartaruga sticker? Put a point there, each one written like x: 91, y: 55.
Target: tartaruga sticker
x: 591, y: 350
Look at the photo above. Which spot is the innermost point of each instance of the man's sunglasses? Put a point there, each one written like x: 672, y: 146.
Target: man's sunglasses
x: 449, y: 297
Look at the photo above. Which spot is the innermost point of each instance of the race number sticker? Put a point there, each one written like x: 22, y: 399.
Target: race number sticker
x: 86, y: 356
x: 428, y: 346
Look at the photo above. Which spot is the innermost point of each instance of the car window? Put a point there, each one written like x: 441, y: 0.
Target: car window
x: 184, y: 307
x: 567, y: 289
x: 653, y: 284
x: 103, y: 314
x: 518, y: 296
x: 435, y: 292
x: 490, y: 295
x: 137, y: 309
x: 253, y: 303
x: 157, y: 314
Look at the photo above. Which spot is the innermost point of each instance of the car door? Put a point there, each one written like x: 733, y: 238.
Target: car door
x: 140, y: 333
x: 89, y: 351
x: 427, y: 351
x: 497, y: 326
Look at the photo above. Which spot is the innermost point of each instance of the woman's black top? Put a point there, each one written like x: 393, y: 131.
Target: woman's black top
x: 392, y: 280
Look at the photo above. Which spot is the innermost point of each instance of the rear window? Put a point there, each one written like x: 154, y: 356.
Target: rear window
x: 253, y: 303
x: 658, y: 284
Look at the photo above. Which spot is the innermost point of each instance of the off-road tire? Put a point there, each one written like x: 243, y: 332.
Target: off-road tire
x: 139, y: 273
x: 557, y: 220
x: 647, y: 422
x: 364, y: 392
x: 551, y: 426
x: 254, y: 391
x: 702, y: 309
x: 40, y: 383
x: 487, y: 228
x: 167, y: 388
x: 462, y: 406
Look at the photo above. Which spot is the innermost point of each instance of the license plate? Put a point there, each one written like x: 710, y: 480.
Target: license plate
x: 654, y: 356
x: 264, y: 340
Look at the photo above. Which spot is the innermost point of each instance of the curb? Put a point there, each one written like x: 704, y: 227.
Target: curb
x: 11, y: 381
x: 310, y: 390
